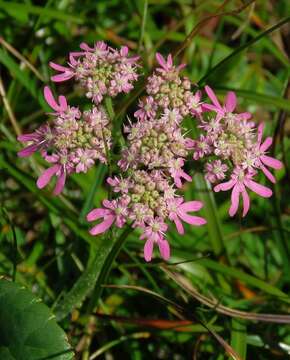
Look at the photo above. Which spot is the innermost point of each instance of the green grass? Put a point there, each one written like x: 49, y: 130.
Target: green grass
x: 44, y: 240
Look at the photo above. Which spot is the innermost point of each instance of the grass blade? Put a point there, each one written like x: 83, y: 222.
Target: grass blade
x: 38, y: 10
x: 239, y: 337
x: 218, y: 66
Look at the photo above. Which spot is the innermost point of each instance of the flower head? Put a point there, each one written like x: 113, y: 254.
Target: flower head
x: 73, y: 141
x: 240, y: 180
x: 178, y: 210
x: 154, y: 234
x: 227, y: 109
x: 261, y: 160
x: 100, y: 70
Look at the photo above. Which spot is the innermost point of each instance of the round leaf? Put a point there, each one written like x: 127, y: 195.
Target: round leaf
x: 28, y: 330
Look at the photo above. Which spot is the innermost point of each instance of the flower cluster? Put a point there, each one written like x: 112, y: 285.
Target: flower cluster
x: 233, y: 148
x: 145, y: 191
x: 101, y: 70
x: 169, y: 91
x: 152, y: 165
x: 74, y: 140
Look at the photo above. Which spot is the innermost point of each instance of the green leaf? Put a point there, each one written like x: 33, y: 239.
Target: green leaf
x: 266, y: 100
x: 28, y: 330
x: 239, y: 337
x: 38, y: 10
x: 227, y: 59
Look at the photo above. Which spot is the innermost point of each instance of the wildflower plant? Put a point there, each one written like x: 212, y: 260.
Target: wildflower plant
x: 146, y: 186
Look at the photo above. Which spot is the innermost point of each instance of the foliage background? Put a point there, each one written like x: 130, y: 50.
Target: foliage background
x: 243, y: 264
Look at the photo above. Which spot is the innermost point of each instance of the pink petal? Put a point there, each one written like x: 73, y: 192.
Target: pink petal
x: 124, y: 51
x: 96, y: 214
x: 191, y: 206
x: 209, y: 107
x: 63, y: 103
x: 161, y: 60
x: 185, y: 176
x: 244, y: 116
x: 108, y: 204
x: 148, y: 250
x: 73, y: 55
x: 26, y: 137
x: 181, y: 66
x: 103, y: 226
x: 268, y: 174
x: 224, y: 186
x: 58, y: 67
x: 111, y: 181
x: 213, y: 97
x: 164, y: 249
x: 258, y: 188
x: 86, y: 47
x: 62, y: 77
x: 192, y: 220
x: 246, y: 202
x: 46, y: 176
x: 60, y: 183
x: 169, y: 61
x: 231, y: 101
x: 272, y: 162
x: 50, y: 99
x: 29, y: 150
x: 234, y: 201
x: 181, y: 174
x: 178, y: 225
x: 266, y: 144
x: 260, y: 132
x: 177, y: 182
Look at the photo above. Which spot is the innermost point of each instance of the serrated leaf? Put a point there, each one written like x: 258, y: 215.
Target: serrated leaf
x: 28, y: 330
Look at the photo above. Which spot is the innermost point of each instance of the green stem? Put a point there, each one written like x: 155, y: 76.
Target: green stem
x: 93, y: 277
x: 106, y: 268
x: 144, y: 17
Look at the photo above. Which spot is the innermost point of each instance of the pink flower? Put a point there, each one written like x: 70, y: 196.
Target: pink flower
x: 84, y: 159
x: 100, y: 48
x: 215, y: 171
x: 228, y: 108
x: 201, y: 147
x: 194, y: 104
x: 147, y: 109
x: 166, y: 65
x: 124, y: 51
x: 120, y: 83
x: 40, y: 139
x: 239, y: 181
x: 154, y: 233
x: 172, y: 117
x: 115, y: 211
x: 60, y: 169
x: 178, y: 209
x: 175, y: 169
x: 263, y: 159
x: 119, y: 184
